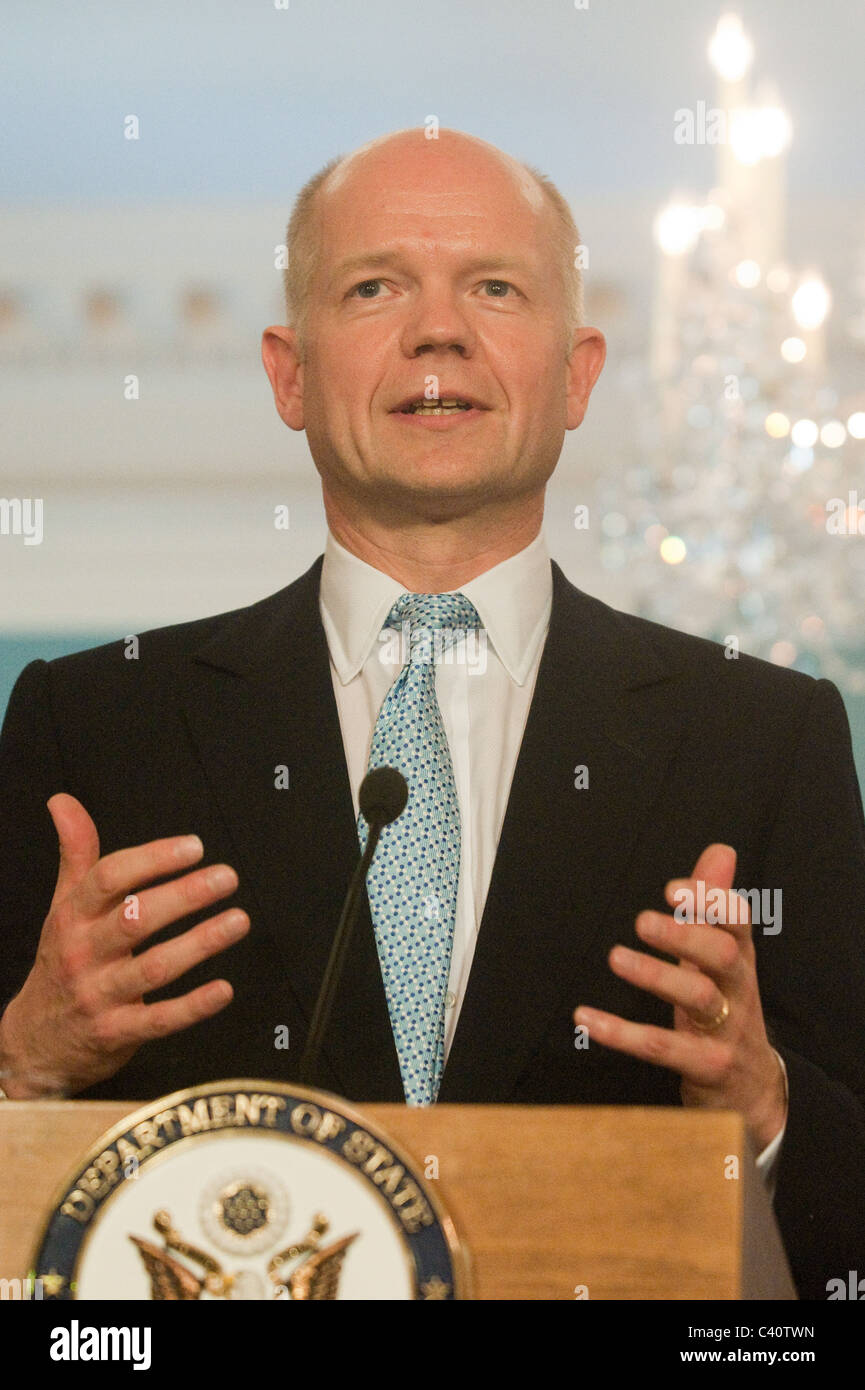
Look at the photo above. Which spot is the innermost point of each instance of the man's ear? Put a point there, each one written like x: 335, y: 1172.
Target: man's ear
x: 583, y: 369
x: 285, y: 370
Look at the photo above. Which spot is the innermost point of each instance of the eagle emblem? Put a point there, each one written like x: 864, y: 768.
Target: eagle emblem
x: 315, y: 1277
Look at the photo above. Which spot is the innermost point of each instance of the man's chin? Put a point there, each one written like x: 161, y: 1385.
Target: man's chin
x: 447, y: 488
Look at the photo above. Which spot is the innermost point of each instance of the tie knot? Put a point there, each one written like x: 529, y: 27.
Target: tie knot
x: 447, y: 617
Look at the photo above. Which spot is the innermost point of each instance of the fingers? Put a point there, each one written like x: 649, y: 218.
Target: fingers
x: 157, y: 907
x: 709, y: 894
x: 695, y: 900
x: 716, y: 866
x: 716, y: 952
x: 702, y: 1060
x: 86, y: 982
x: 711, y: 964
x: 128, y: 979
x: 79, y: 841
x: 689, y: 989
x: 129, y: 1025
x: 116, y: 875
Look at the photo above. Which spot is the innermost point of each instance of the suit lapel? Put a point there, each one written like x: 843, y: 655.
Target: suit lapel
x: 261, y: 698
x: 604, y: 700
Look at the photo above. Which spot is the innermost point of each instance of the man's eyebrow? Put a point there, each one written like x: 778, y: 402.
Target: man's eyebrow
x: 373, y: 260
x: 380, y: 260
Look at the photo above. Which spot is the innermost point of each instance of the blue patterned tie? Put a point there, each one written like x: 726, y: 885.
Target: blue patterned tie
x: 412, y: 882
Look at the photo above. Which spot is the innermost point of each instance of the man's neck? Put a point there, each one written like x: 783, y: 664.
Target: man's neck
x: 435, y: 558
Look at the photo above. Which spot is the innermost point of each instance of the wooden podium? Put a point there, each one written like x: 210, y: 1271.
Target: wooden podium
x: 552, y: 1202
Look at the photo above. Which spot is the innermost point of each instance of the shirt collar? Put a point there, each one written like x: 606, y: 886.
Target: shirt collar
x: 513, y: 599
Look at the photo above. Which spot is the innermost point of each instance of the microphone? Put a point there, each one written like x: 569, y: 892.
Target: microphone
x: 383, y: 795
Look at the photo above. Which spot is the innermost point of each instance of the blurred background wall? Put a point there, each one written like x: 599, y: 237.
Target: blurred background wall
x: 151, y: 157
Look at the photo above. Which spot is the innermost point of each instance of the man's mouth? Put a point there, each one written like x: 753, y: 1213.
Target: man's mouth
x: 436, y: 406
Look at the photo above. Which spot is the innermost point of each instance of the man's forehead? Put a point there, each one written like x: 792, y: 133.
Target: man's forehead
x: 451, y: 210
x: 425, y: 215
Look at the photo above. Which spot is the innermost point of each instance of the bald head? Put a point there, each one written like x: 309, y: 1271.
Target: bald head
x: 416, y: 172
x: 459, y: 154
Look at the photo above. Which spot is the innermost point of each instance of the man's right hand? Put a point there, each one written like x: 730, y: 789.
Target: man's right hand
x: 80, y: 1014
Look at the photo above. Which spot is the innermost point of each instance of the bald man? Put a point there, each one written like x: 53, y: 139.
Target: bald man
x: 553, y: 919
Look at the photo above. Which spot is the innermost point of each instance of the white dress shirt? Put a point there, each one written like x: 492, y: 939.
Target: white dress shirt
x: 484, y: 700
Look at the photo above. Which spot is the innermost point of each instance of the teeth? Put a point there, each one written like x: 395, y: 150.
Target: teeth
x: 438, y: 407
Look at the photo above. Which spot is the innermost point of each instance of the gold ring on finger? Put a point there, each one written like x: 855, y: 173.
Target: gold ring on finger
x: 710, y: 1025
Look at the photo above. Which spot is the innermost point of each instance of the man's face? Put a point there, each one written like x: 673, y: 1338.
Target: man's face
x: 436, y: 280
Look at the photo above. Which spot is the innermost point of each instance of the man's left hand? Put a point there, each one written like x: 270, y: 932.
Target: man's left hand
x: 718, y: 1041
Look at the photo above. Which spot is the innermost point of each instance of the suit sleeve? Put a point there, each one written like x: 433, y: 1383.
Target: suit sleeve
x: 812, y: 981
x: 30, y: 772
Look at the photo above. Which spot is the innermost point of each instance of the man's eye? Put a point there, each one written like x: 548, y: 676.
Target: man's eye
x: 367, y: 289
x: 498, y: 288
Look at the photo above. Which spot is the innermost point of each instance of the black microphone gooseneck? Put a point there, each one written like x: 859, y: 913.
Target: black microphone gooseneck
x: 383, y: 795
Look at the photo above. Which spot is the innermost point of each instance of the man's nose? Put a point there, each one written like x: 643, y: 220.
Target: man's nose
x: 436, y: 322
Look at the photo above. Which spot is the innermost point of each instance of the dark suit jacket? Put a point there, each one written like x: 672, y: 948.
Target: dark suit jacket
x: 683, y: 747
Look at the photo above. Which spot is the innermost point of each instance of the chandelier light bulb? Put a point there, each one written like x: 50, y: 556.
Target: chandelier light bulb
x: 775, y: 131
x: 677, y: 229
x: 833, y: 434
x: 793, y: 349
x: 804, y: 434
x: 777, y: 425
x: 730, y: 50
x: 761, y: 132
x: 747, y: 274
x: 673, y: 550
x: 811, y: 303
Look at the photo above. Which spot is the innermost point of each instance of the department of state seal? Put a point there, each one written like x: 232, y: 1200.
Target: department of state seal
x: 248, y: 1190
